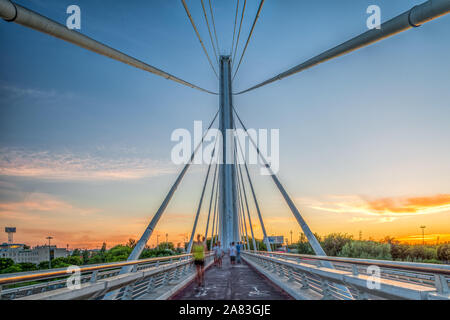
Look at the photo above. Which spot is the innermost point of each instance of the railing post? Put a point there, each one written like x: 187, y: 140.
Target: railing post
x: 150, y: 285
x: 291, y: 275
x: 355, y: 270
x: 361, y: 295
x: 326, y: 291
x: 304, y: 280
x: 128, y: 292
x: 441, y: 283
x: 281, y: 270
x: 94, y: 276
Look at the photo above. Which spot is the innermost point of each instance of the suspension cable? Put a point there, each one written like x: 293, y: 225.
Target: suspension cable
x: 242, y: 203
x: 194, y: 227
x: 198, y: 36
x: 214, y: 26
x: 246, y: 204
x: 411, y: 18
x: 13, y: 12
x: 318, y: 250
x: 209, y: 31
x: 239, y: 34
x: 212, y: 192
x: 140, y: 245
x: 234, y: 28
x: 148, y: 231
x: 266, y: 239
x: 249, y: 37
x: 213, y: 229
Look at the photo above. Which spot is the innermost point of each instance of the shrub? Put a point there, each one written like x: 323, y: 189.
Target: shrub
x: 333, y: 243
x: 366, y: 250
x: 443, y: 252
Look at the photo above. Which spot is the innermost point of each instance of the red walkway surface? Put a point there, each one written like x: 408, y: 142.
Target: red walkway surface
x: 238, y: 282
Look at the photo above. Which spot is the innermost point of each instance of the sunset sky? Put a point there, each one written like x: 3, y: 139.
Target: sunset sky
x: 85, y: 140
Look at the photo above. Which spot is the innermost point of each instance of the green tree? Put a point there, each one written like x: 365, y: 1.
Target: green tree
x: 118, y: 253
x: 366, y: 250
x: 303, y: 246
x: 5, y: 263
x: 85, y: 256
x: 443, y: 252
x: 333, y: 243
x: 12, y: 269
x: 399, y: 251
x: 27, y: 266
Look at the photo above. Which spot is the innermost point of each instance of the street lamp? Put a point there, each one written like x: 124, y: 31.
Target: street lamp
x: 291, y: 237
x: 423, y: 234
x: 49, y: 257
x: 157, y: 240
x: 167, y: 241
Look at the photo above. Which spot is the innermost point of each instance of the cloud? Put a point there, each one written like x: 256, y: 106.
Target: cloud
x: 33, y: 205
x: 11, y: 93
x: 385, y: 209
x: 70, y: 166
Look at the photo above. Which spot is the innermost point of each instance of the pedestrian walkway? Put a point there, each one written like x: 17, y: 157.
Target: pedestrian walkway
x: 238, y: 282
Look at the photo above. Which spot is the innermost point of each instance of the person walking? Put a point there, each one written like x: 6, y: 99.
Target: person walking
x: 198, y: 251
x: 215, y: 250
x: 218, y: 254
x: 233, y: 253
x: 238, y: 252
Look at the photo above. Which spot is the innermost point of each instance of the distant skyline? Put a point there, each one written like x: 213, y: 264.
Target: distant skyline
x: 85, y: 140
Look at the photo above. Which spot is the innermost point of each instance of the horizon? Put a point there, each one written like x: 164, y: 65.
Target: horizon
x: 85, y: 142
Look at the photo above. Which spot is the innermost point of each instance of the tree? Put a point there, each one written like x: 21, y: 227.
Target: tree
x: 303, y: 246
x: 333, y: 243
x: 43, y: 265
x: 366, y: 250
x: 420, y: 253
x: 27, y: 266
x: 85, y: 256
x: 443, y: 252
x: 12, y: 269
x: 76, y: 252
x: 5, y: 263
x: 131, y: 243
x: 399, y: 251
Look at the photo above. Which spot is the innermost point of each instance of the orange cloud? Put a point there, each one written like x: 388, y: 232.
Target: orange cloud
x: 387, y: 207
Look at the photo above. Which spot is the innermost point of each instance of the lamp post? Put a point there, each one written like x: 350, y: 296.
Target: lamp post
x: 49, y: 257
x: 157, y: 241
x: 167, y: 241
x: 423, y: 234
x: 291, y: 237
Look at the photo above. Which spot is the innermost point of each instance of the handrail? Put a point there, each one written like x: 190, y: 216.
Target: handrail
x: 421, y: 267
x: 63, y: 271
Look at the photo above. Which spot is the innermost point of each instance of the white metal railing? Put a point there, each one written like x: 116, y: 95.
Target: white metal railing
x: 305, y: 277
x: 146, y: 276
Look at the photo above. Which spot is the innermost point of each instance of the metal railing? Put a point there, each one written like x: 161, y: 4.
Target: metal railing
x: 95, y: 281
x: 304, y: 277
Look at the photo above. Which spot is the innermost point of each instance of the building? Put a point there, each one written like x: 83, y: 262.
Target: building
x: 21, y: 253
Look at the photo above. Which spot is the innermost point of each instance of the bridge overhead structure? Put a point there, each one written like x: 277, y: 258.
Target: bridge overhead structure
x: 136, y: 276
x: 227, y: 171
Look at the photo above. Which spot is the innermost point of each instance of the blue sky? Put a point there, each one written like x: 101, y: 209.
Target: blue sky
x: 85, y: 140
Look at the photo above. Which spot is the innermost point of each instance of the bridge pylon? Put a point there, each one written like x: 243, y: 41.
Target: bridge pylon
x: 229, y: 225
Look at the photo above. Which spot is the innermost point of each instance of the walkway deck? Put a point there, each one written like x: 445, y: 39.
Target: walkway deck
x: 238, y: 282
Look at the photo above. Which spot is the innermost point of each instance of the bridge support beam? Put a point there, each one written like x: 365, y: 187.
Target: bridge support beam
x: 229, y: 228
